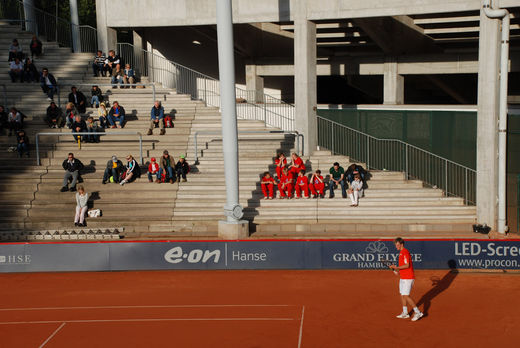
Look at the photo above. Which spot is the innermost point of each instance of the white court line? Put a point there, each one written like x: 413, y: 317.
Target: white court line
x: 144, y: 306
x: 301, y: 328
x: 52, y: 335
x: 141, y: 320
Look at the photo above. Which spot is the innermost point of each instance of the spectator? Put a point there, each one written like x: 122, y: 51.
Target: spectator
x: 36, y: 47
x: 267, y: 184
x: 128, y: 75
x: 92, y: 127
x: 22, y: 143
x: 132, y: 170
x: 354, y: 169
x: 48, y: 84
x: 16, y: 70
x: 70, y: 114
x: 97, y: 96
x: 285, y: 186
x: 111, y: 61
x: 3, y: 119
x: 113, y: 170
x: 281, y: 163
x: 182, y: 168
x: 116, y: 114
x: 79, y: 100
x: 356, y: 190
x: 117, y: 76
x: 153, y: 169
x: 81, y: 206
x: 54, y: 116
x: 317, y: 185
x: 72, y: 167
x: 296, y: 166
x: 14, y: 121
x: 302, y: 185
x: 30, y: 73
x: 167, y: 165
x: 15, y: 51
x: 156, y: 118
x: 98, y: 66
x: 103, y: 114
x: 79, y: 126
x: 337, y: 174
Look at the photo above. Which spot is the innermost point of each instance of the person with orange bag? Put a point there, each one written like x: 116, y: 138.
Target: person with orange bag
x: 285, y: 186
x: 302, y: 184
x: 267, y: 184
x: 317, y: 185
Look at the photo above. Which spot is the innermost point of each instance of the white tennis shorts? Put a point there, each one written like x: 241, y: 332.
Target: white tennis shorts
x: 405, y: 286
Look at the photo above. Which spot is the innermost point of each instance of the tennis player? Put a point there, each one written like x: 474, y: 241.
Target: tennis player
x: 406, y: 280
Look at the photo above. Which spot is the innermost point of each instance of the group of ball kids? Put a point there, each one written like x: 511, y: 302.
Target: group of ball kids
x: 292, y: 180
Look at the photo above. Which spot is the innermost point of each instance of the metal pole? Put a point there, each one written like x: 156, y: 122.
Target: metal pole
x: 196, y: 157
x: 446, y: 176
x: 153, y: 91
x: 368, y: 153
x: 37, y: 150
x: 332, y: 143
x: 226, y: 62
x: 406, y: 160
x: 141, y: 147
x: 466, y: 186
x: 56, y: 19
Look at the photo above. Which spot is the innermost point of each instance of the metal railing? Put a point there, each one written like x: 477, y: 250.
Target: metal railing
x: 299, y: 138
x: 58, y: 91
x: 86, y: 134
x: 252, y: 105
x: 49, y: 26
x: 395, y: 155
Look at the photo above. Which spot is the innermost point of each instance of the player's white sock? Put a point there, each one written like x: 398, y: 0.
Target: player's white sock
x: 405, y: 310
x: 416, y: 310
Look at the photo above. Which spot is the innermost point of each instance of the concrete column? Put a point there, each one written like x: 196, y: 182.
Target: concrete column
x: 107, y: 37
x: 254, y: 84
x: 487, y: 118
x: 28, y: 9
x: 393, y: 90
x: 74, y: 21
x: 305, y: 94
x: 138, y: 61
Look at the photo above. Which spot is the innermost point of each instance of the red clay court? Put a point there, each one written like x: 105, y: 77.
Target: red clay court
x: 255, y: 309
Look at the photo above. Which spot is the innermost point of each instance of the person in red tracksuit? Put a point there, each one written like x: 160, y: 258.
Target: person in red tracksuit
x: 302, y: 184
x: 281, y: 163
x: 317, y: 186
x: 296, y: 165
x: 267, y: 185
x: 286, y: 184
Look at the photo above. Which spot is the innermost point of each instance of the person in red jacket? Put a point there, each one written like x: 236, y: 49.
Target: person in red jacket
x: 281, y: 163
x: 302, y: 184
x: 267, y: 186
x: 153, y: 169
x: 285, y: 186
x: 317, y: 185
x: 296, y: 165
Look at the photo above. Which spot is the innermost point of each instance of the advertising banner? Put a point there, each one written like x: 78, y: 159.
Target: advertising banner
x: 257, y: 254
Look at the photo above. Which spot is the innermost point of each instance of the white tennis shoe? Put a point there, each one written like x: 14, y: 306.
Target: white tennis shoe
x: 417, y: 316
x: 403, y: 316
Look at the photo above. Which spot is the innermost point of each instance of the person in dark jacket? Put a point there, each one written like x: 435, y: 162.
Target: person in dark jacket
x: 78, y: 99
x: 15, y: 51
x: 114, y: 168
x: 72, y: 167
x: 36, y: 47
x: 54, y: 116
x: 354, y: 169
x: 97, y: 96
x: 116, y: 114
x: 30, y: 73
x: 48, y: 84
x: 79, y: 126
x: 132, y: 170
x: 167, y: 166
x: 156, y: 118
x: 182, y: 168
x: 112, y: 60
x: 22, y: 143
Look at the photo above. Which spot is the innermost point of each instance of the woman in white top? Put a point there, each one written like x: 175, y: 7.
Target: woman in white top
x: 102, y: 113
x: 356, y: 190
x: 81, y: 206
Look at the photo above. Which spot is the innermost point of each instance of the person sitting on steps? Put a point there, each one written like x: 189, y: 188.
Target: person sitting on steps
x: 167, y: 165
x: 79, y: 126
x: 354, y: 169
x: 103, y: 116
x: 302, y: 185
x: 156, y: 118
x: 14, y: 121
x: 22, y: 143
x: 317, y: 185
x: 16, y: 70
x: 296, y: 165
x: 337, y: 174
x: 97, y: 96
x: 72, y: 167
x: 116, y: 114
x: 285, y: 186
x: 48, y: 84
x: 117, y: 76
x: 81, y: 206
x: 128, y: 76
x: 154, y: 169
x: 132, y: 170
x: 280, y: 163
x: 267, y: 184
x: 54, y: 116
x: 78, y: 99
x: 36, y: 47
x: 113, y: 170
x: 70, y: 114
x: 182, y: 168
x: 356, y: 190
x: 30, y: 73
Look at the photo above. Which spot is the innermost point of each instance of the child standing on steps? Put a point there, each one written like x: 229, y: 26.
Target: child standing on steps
x: 267, y: 186
x: 302, y: 184
x: 317, y: 185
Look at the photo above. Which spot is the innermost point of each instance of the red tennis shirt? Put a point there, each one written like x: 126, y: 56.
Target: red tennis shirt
x: 404, y: 258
